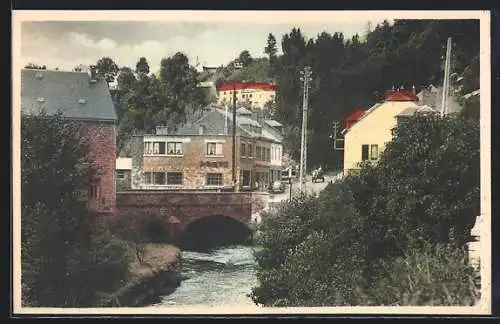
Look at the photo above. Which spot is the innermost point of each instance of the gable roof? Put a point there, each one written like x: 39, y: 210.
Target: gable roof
x: 243, y: 111
x: 401, y: 95
x: 70, y: 92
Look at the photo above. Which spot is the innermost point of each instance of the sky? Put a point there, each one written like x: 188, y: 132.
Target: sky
x: 65, y: 44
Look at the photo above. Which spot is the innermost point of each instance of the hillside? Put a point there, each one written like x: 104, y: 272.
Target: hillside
x: 356, y: 72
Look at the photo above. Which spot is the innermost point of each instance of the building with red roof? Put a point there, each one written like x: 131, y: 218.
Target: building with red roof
x: 253, y: 94
x: 367, y: 132
x: 352, y: 118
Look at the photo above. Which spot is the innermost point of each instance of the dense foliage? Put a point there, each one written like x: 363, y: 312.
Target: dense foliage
x: 391, y: 233
x: 66, y: 260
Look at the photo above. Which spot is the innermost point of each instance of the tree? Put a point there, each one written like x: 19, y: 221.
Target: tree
x: 436, y: 178
x: 271, y: 49
x: 126, y: 80
x: 142, y: 66
x: 365, y: 239
x: 107, y: 69
x: 245, y: 58
x: 58, y: 236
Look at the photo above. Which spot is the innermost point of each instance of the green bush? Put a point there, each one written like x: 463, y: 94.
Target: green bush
x: 112, y: 259
x: 366, y: 238
x: 432, y: 276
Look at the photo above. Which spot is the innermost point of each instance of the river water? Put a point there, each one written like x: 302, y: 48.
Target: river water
x: 221, y: 278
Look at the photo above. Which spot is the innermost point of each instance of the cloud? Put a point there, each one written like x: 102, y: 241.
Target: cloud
x: 65, y: 44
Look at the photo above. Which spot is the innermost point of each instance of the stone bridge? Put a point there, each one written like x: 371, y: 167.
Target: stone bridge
x: 187, y: 207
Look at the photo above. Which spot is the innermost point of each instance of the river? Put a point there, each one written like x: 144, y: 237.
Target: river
x: 221, y: 278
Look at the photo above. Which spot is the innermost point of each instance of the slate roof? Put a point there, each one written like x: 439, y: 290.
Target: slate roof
x: 272, y: 123
x: 70, y: 92
x: 213, y: 121
x: 410, y: 111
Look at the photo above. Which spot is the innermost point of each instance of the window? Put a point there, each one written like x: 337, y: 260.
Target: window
x: 154, y: 148
x: 374, y: 151
x: 245, y: 181
x: 364, y: 152
x: 249, y: 150
x: 214, y: 148
x: 258, y: 152
x: 214, y: 179
x: 148, y: 177
x: 120, y: 174
x: 174, y: 178
x: 268, y: 155
x: 156, y: 178
x: 243, y: 149
x: 175, y: 148
x: 94, y: 191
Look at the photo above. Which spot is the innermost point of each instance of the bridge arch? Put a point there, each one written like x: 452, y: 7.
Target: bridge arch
x: 211, y: 230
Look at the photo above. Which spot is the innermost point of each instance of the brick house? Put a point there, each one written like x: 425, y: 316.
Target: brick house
x: 85, y: 100
x: 198, y: 155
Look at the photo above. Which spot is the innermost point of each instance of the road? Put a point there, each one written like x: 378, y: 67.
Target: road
x: 309, y: 187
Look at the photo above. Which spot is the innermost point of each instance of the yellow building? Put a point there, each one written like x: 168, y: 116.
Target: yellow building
x: 253, y: 94
x: 366, y: 138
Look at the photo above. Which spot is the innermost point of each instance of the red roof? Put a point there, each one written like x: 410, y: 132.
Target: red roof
x: 401, y: 95
x: 353, y: 117
x: 264, y: 86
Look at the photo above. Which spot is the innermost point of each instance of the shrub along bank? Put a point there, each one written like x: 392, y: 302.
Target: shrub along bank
x: 391, y: 234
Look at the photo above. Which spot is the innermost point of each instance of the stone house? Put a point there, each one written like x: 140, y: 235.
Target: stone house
x: 198, y: 155
x: 83, y: 99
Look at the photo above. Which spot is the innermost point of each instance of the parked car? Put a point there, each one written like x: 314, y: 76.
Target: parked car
x: 277, y: 187
x: 318, y: 174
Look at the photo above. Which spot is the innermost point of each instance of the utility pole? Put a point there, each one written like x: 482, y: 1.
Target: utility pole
x: 306, y: 77
x: 234, y: 140
x: 446, y: 79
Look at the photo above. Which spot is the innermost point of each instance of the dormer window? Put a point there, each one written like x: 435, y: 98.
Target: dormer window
x: 82, y: 101
x: 201, y: 130
x: 41, y: 99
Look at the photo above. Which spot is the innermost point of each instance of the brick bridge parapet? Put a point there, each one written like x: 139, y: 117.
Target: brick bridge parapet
x: 186, y: 206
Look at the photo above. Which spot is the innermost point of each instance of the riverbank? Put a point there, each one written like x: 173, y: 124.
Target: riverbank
x: 158, y: 275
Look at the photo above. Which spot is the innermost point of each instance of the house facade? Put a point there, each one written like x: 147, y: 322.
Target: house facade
x: 366, y: 139
x: 198, y: 155
x: 83, y: 99
x: 252, y: 94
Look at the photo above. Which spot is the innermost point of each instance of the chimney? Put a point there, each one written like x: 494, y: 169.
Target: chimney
x: 92, y: 73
